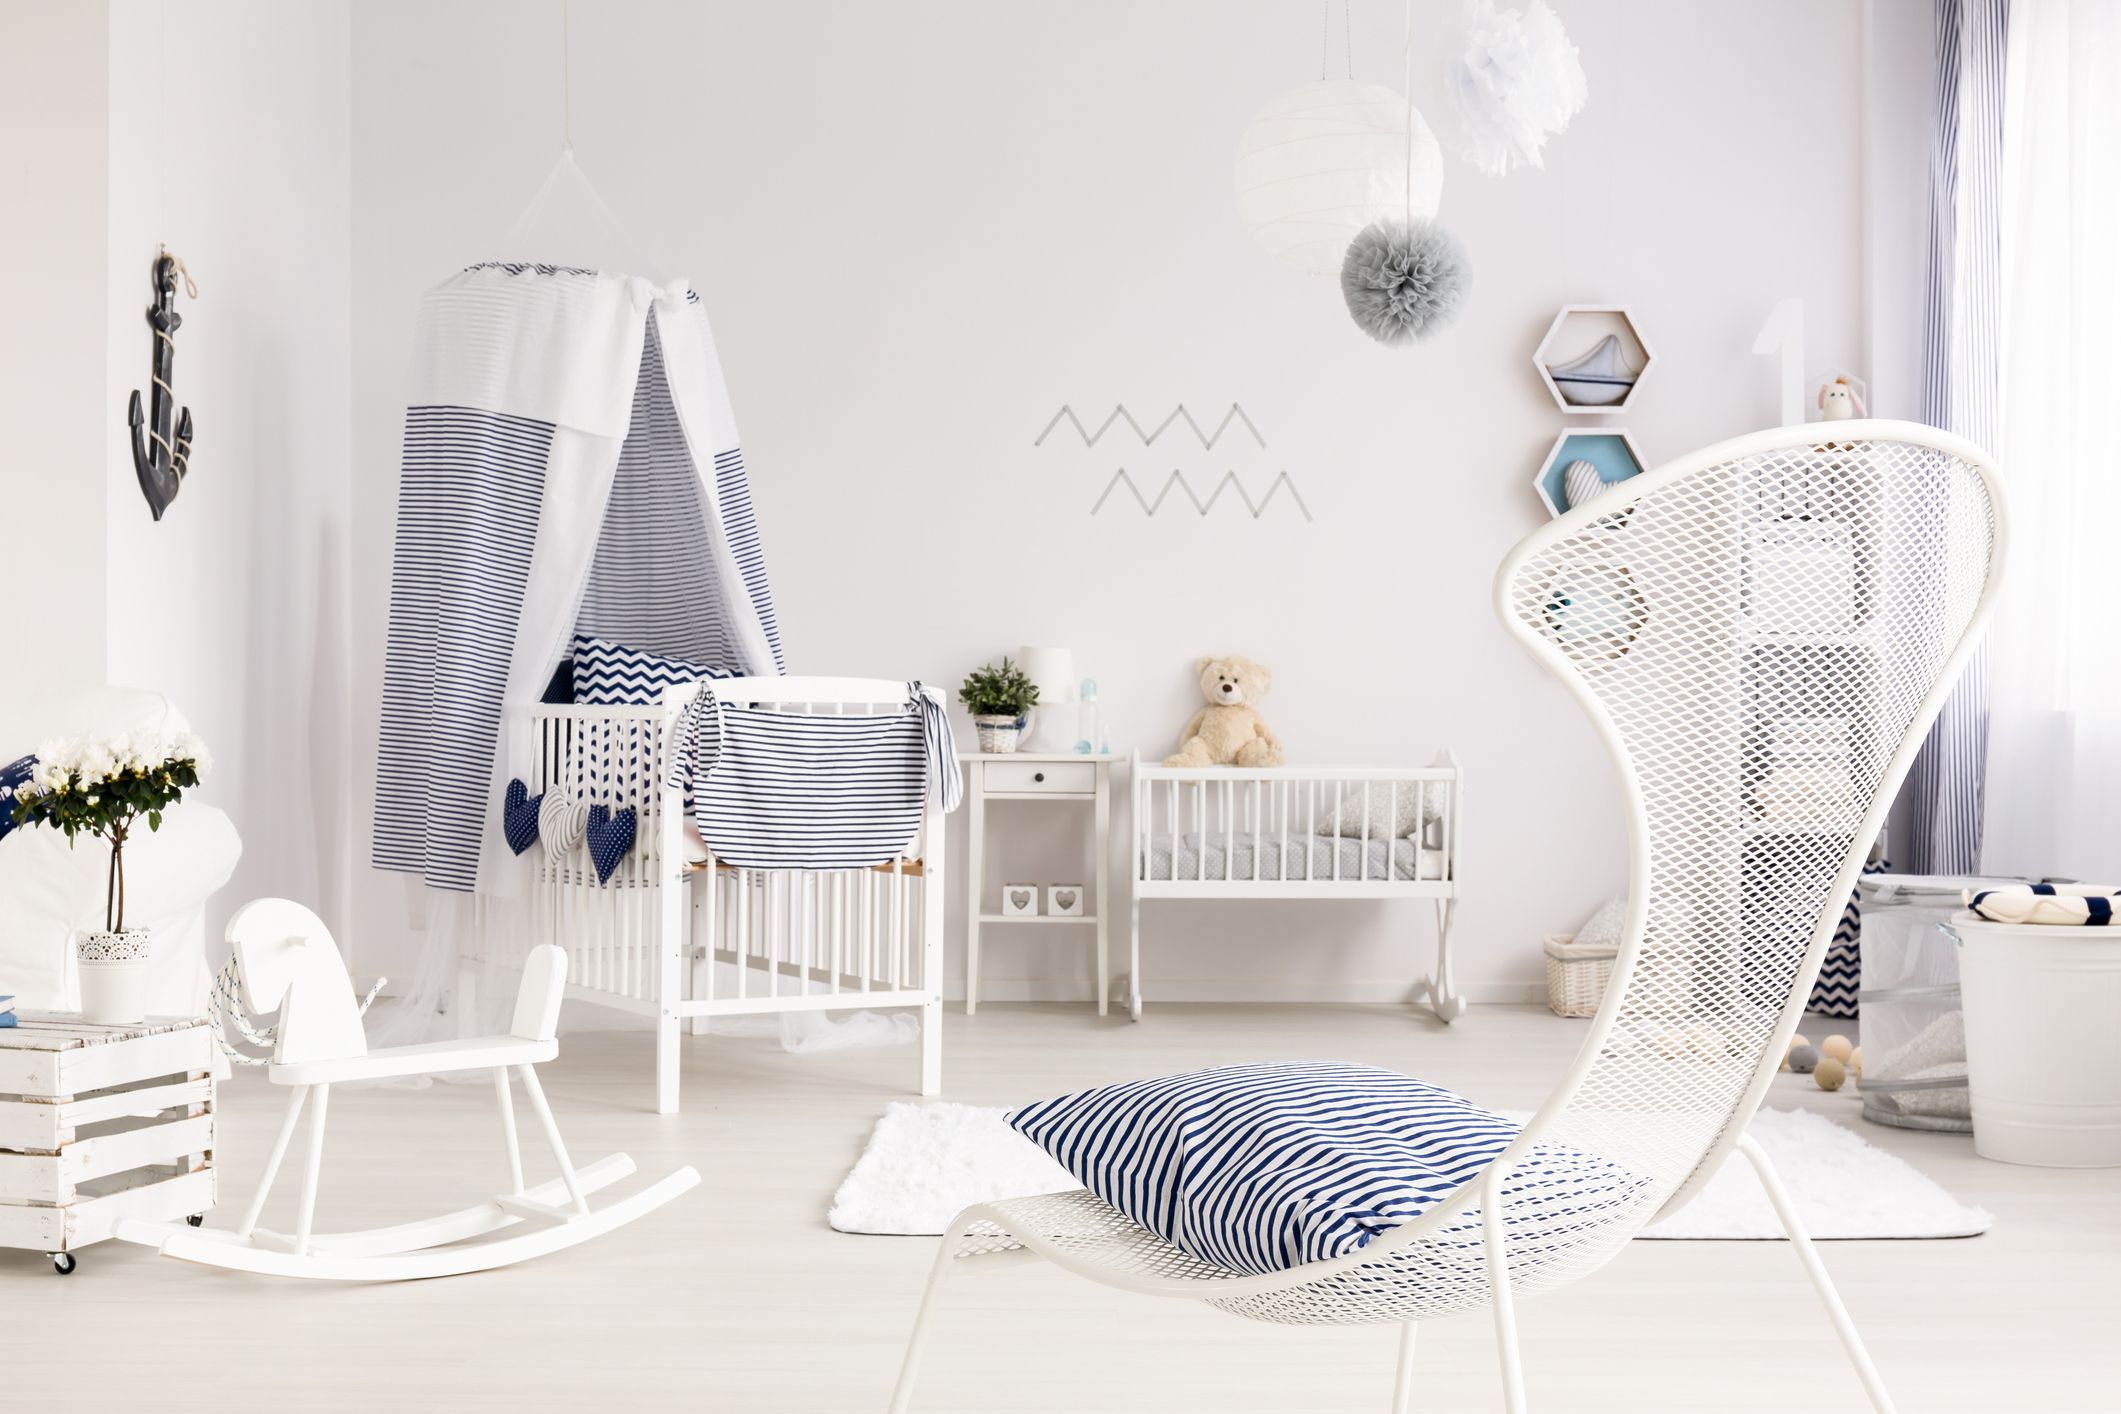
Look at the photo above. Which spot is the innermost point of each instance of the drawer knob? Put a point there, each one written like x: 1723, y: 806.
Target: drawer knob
x: 1040, y: 776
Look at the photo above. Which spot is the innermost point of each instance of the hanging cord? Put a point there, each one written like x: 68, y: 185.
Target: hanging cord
x: 566, y: 80
x: 226, y: 1007
x: 1407, y: 79
x: 1325, y: 39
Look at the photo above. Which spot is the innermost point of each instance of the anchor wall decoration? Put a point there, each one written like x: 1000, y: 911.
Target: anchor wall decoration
x: 162, y: 467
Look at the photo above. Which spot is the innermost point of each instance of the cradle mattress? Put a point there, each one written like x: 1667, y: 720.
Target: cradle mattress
x: 1309, y: 857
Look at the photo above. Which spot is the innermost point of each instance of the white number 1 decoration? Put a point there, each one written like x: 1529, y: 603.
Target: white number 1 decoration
x: 1784, y: 331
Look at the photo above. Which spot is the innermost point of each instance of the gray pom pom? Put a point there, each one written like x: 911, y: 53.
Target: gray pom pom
x: 1405, y: 282
x: 1804, y: 1059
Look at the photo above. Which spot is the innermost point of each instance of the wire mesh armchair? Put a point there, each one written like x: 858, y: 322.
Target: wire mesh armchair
x: 1762, y: 633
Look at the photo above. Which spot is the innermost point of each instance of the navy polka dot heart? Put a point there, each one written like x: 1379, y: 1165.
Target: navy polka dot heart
x: 610, y: 836
x: 519, y: 816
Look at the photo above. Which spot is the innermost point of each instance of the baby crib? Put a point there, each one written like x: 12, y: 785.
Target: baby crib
x: 1291, y: 832
x: 677, y: 936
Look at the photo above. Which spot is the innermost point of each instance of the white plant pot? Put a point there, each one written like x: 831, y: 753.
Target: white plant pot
x: 114, y: 969
x: 998, y: 736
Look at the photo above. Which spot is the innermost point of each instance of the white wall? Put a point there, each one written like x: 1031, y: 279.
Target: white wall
x: 235, y: 604
x: 920, y: 229
x: 54, y: 86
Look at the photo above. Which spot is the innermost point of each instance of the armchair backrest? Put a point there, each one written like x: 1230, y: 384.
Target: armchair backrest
x: 1762, y: 634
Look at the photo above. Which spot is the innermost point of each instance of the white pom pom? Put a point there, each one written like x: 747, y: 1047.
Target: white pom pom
x: 1517, y: 82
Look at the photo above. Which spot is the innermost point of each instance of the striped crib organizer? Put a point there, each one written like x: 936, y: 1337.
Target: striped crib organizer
x: 678, y: 938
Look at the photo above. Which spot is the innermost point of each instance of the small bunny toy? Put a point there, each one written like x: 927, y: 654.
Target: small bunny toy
x: 1838, y: 402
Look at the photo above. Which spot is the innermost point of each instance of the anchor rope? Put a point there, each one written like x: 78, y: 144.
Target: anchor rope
x: 226, y: 1007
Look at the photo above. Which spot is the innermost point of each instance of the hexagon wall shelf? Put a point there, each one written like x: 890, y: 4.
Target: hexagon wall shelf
x: 1610, y: 449
x: 1577, y: 342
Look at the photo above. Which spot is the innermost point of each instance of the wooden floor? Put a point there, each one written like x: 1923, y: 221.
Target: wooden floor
x: 738, y: 1297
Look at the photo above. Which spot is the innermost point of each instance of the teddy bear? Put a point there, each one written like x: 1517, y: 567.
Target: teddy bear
x: 1228, y: 731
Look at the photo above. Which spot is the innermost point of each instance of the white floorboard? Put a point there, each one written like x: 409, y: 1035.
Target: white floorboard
x: 738, y: 1297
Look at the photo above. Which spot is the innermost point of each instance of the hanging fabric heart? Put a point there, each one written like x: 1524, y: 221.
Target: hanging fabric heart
x: 519, y: 816
x: 610, y: 836
x: 561, y: 825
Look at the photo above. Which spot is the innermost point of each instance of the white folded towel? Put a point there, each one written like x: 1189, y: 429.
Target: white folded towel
x: 2084, y: 905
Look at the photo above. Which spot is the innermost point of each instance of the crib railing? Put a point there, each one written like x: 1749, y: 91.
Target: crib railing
x: 1281, y: 813
x: 676, y: 937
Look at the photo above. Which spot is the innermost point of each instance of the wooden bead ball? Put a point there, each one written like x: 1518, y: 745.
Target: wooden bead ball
x: 1838, y: 1047
x: 1829, y: 1074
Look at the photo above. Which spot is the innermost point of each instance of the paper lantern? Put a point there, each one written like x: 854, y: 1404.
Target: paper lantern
x: 1323, y: 161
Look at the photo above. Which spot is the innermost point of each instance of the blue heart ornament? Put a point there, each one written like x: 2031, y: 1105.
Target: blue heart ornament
x: 519, y: 816
x: 610, y: 835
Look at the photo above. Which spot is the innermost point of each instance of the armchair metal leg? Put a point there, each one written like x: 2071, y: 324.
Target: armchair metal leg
x: 1403, y: 1380
x: 938, y: 1277
x: 1801, y: 1242
x: 1491, y: 1238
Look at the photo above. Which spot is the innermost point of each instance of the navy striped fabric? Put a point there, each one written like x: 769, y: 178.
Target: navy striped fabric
x: 1942, y: 801
x: 468, y: 505
x: 652, y: 585
x: 786, y: 790
x: 1259, y: 1168
x: 608, y: 674
x: 740, y: 528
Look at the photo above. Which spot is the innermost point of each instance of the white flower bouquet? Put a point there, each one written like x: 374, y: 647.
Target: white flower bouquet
x: 103, y: 785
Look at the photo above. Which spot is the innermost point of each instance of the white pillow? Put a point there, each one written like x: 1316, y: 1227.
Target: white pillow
x: 1603, y: 928
x: 1389, y: 818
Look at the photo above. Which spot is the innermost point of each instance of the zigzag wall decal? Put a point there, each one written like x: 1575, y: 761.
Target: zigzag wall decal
x: 1207, y: 440
x: 1178, y: 479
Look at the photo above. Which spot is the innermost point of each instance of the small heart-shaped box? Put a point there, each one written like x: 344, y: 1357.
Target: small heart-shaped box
x: 1019, y: 900
x: 1064, y: 900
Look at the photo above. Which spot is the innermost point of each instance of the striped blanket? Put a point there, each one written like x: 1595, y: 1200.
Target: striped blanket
x: 2079, y: 905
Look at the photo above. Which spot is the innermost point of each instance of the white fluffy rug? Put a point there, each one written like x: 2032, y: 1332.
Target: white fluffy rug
x: 924, y: 1163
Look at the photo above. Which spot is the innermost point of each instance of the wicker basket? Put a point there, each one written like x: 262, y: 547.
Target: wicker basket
x: 1576, y: 976
x: 998, y: 736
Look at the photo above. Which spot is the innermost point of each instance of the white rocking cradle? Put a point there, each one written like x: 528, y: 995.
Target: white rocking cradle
x: 288, y: 963
x: 667, y: 937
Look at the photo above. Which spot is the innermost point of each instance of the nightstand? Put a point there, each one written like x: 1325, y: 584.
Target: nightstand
x: 1022, y: 775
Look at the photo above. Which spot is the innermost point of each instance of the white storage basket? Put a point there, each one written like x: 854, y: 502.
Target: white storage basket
x: 1577, y: 976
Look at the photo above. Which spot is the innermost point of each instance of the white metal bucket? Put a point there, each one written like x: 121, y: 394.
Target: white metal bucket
x: 2043, y: 1051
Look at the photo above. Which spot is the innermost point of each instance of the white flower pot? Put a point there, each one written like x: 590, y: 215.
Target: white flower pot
x: 998, y: 736
x: 113, y: 976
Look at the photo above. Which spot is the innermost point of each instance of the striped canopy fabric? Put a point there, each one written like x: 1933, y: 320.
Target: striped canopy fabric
x: 1259, y: 1168
x: 571, y: 465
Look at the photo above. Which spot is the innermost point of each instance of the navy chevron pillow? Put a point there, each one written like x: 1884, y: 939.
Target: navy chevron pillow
x: 608, y: 674
x: 1259, y: 1168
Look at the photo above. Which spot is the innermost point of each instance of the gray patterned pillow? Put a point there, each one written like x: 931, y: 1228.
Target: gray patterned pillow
x: 1390, y: 818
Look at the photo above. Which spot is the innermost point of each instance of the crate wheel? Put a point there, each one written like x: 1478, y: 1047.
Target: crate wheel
x: 197, y: 1220
x: 63, y: 1263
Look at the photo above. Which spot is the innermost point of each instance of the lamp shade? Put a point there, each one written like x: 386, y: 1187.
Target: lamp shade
x: 1323, y: 161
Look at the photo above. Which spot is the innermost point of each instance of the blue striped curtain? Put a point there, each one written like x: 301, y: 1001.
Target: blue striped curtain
x: 1941, y: 804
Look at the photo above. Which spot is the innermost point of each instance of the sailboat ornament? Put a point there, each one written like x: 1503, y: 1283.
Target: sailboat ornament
x: 1598, y: 378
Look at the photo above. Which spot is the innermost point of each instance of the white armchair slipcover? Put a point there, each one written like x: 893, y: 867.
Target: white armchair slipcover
x: 49, y: 892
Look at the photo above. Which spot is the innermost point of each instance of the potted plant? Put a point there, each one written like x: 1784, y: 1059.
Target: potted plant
x: 997, y: 698
x: 102, y: 786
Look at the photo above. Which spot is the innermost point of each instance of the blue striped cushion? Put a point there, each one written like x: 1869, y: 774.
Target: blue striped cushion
x: 1258, y: 1168
x: 608, y: 674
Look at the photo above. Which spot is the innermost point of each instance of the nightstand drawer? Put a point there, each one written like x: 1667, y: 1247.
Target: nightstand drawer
x: 1040, y: 777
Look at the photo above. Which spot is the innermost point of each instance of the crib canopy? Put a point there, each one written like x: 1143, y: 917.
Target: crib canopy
x: 571, y: 465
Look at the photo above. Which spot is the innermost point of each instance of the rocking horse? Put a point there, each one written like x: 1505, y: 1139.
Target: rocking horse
x: 286, y: 961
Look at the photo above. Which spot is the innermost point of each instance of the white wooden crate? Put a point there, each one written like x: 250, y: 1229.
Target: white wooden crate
x: 99, y: 1123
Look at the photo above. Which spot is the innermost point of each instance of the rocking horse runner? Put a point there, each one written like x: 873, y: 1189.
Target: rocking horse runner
x: 287, y: 962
